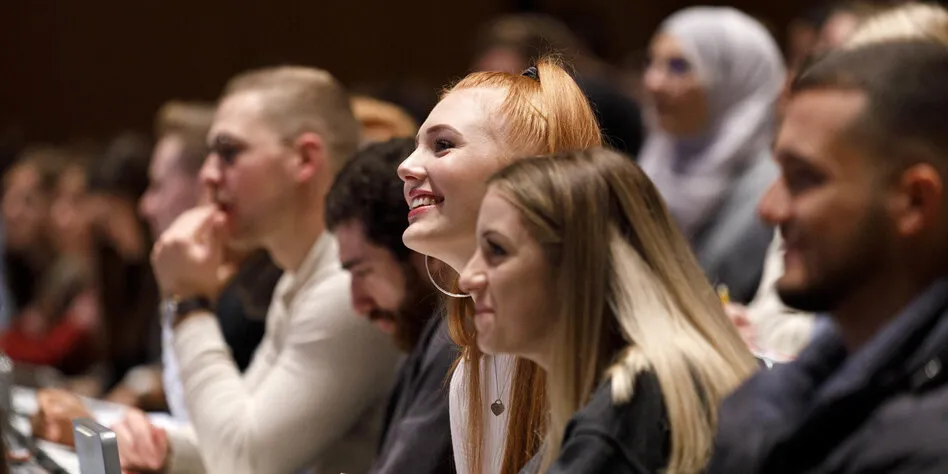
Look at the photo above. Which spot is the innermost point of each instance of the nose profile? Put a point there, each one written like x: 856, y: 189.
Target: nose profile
x: 472, y: 279
x: 653, y: 79
x: 775, y: 205
x: 211, y: 171
x: 411, y: 169
x: 361, y: 303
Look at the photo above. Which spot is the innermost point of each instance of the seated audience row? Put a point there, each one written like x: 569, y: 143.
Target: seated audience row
x: 587, y: 336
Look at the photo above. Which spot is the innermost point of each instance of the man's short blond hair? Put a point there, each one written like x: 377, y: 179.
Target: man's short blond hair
x: 301, y: 99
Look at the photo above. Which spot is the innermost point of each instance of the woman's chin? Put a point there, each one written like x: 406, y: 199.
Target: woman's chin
x: 486, y: 347
x: 422, y: 236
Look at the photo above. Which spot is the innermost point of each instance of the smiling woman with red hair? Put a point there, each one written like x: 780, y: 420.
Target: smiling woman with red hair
x: 488, y: 119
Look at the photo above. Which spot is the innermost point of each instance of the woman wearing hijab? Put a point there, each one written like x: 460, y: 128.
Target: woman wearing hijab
x: 712, y: 82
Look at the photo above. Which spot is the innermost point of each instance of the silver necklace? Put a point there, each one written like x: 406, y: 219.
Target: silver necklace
x: 497, y: 408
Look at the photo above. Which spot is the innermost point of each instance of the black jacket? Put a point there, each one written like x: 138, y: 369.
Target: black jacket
x: 417, y: 430
x: 881, y: 409
x: 606, y: 438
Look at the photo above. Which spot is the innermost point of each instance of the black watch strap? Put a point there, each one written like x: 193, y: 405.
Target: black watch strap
x: 187, y: 306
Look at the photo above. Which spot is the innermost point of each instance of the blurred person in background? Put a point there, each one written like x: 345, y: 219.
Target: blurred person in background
x: 381, y: 121
x: 127, y: 292
x: 413, y: 95
x: 803, y: 34
x: 631, y: 75
x: 511, y: 43
x: 713, y: 79
x: 841, y: 21
x: 366, y: 211
x: 9, y: 150
x: 862, y: 206
x: 57, y: 322
x: 70, y: 213
x: 314, y: 390
x: 29, y: 187
x: 833, y: 23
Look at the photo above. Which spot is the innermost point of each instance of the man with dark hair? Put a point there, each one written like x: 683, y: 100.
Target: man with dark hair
x: 863, y: 207
x: 366, y: 211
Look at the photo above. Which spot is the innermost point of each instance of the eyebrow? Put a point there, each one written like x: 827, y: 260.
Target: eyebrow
x: 435, y: 129
x: 789, y: 156
x: 793, y: 157
x: 221, y: 138
x: 493, y: 233
x: 350, y: 264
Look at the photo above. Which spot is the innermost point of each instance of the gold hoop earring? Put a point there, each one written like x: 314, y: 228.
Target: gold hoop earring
x: 436, y: 285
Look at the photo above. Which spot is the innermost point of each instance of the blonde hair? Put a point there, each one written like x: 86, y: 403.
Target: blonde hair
x: 912, y: 21
x: 382, y: 121
x: 190, y: 122
x: 302, y: 99
x: 544, y: 115
x: 631, y: 294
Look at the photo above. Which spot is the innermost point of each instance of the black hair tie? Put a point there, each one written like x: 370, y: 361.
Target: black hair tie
x: 532, y: 73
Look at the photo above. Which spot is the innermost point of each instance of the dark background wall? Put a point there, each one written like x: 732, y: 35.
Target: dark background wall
x: 71, y: 69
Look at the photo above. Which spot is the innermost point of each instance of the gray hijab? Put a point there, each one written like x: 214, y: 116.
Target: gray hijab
x: 742, y: 72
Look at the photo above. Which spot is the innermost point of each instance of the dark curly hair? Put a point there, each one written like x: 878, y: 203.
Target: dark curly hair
x: 368, y: 189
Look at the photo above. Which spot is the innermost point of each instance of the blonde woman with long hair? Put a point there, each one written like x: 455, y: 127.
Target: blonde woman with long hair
x: 581, y: 269
x: 497, y: 404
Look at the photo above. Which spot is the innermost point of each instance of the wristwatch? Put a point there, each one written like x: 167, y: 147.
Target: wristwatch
x: 174, y: 310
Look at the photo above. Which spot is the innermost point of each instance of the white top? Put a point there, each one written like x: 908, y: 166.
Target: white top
x: 174, y: 392
x: 495, y: 427
x: 312, y: 395
x: 780, y: 332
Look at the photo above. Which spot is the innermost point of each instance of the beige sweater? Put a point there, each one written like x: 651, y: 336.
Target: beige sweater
x: 312, y: 396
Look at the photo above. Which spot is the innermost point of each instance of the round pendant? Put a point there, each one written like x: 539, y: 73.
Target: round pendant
x: 497, y: 408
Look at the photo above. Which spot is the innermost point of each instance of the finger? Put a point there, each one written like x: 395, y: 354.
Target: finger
x: 188, y: 224
x: 160, y: 438
x: 200, y: 219
x: 143, y: 431
x: 126, y: 442
x: 129, y: 451
x: 52, y: 431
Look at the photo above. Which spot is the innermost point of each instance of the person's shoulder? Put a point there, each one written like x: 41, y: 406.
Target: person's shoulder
x: 643, y: 414
x: 322, y: 307
x: 629, y: 433
x: 328, y: 286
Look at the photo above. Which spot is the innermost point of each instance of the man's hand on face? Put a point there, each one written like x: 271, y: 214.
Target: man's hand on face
x: 189, y: 258
x: 143, y: 447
